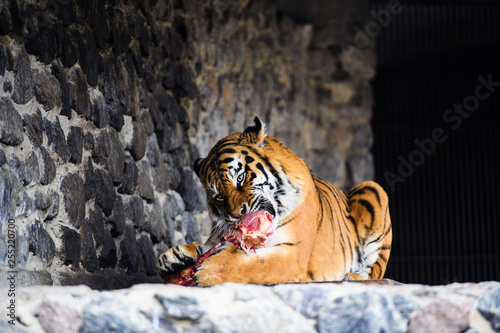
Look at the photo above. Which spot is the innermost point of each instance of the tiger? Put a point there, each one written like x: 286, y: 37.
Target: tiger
x: 320, y: 233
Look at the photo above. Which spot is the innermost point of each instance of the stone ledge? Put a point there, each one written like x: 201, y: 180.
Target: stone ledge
x: 314, y: 307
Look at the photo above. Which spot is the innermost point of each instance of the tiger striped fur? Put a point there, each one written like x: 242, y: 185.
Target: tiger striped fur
x: 320, y: 233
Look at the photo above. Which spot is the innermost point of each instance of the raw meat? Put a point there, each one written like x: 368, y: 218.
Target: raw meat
x: 251, y: 232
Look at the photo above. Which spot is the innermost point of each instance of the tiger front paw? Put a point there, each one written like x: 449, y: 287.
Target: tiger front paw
x: 177, y: 258
x: 353, y: 277
x: 218, y: 269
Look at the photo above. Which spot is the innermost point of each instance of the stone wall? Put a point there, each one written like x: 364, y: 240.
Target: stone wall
x: 313, y: 307
x: 104, y: 106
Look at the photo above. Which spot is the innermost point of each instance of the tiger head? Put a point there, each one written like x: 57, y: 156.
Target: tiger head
x: 249, y: 171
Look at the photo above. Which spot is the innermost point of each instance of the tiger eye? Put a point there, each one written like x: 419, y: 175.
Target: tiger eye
x: 241, y: 178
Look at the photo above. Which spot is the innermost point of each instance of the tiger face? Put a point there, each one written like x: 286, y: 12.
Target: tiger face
x: 241, y: 175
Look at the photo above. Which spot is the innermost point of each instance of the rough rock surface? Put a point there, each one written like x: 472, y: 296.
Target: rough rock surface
x: 381, y: 306
x: 105, y: 105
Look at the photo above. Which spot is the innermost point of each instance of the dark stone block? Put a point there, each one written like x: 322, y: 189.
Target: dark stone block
x: 169, y: 74
x: 80, y: 99
x: 107, y: 254
x: 149, y: 80
x: 114, y: 82
x: 174, y: 172
x: 10, y: 192
x: 134, y: 211
x: 95, y: 14
x: 147, y: 122
x: 49, y: 167
x: 56, y: 138
x: 88, y: 141
x: 154, y: 224
x: 47, y: 89
x: 32, y: 172
x: 27, y: 170
x: 137, y: 61
x: 40, y: 242
x: 180, y: 27
x: 7, y: 87
x: 192, y: 232
x: 160, y: 171
x: 16, y: 19
x: 58, y: 72
x: 19, y: 168
x: 115, y: 111
x: 173, y: 204
x: 105, y: 192
x: 3, y: 159
x: 188, y: 191
x: 54, y: 208
x: 23, y: 86
x: 167, y: 121
x: 120, y: 33
x: 72, y: 189
x: 153, y: 153
x: 88, y: 250
x: 198, y: 66
x: 89, y: 57
x: 169, y: 106
x: 90, y: 181
x: 96, y: 222
x: 71, y: 247
x: 108, y: 152
x: 75, y: 144
x: 42, y: 200
x: 148, y: 255
x: 173, y: 45
x: 115, y: 155
x: 65, y: 12
x: 139, y: 141
x: 6, y: 62
x: 130, y: 173
x: 100, y: 114
x: 171, y: 137
x: 6, y: 22
x: 33, y: 127
x: 144, y: 185
x: 67, y: 50
x: 142, y: 34
x: 130, y: 250
x: 117, y: 218
x: 11, y: 124
x: 42, y: 42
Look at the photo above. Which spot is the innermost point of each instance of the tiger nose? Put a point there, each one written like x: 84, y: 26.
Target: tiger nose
x: 241, y: 211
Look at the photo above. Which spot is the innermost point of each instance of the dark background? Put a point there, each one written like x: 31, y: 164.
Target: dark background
x: 446, y: 212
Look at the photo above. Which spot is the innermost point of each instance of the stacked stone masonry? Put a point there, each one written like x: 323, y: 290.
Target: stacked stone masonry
x: 105, y: 104
x: 315, y: 307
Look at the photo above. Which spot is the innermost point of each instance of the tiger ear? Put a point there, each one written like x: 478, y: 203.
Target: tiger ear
x: 197, y: 165
x: 257, y: 131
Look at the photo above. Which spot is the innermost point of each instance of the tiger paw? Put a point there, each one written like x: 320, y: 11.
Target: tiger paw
x: 353, y: 277
x: 216, y: 269
x: 178, y: 257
